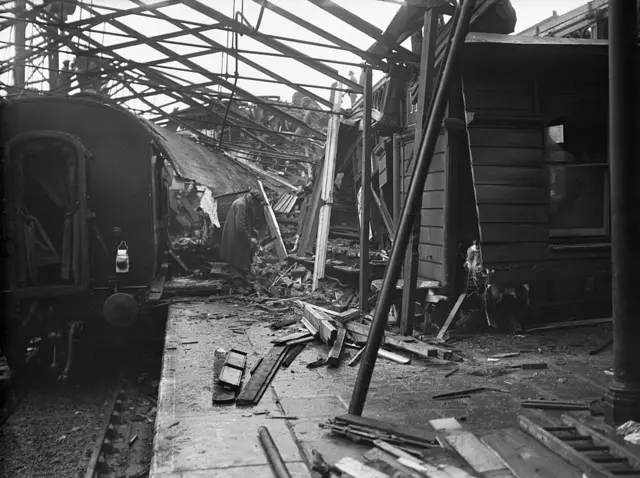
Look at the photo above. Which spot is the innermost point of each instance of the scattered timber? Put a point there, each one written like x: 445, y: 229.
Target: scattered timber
x: 293, y: 354
x: 334, y: 356
x: 321, y: 322
x: 479, y: 457
x: 262, y: 377
x: 220, y: 393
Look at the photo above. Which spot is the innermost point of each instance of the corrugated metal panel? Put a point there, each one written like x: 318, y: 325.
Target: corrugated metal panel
x: 193, y: 161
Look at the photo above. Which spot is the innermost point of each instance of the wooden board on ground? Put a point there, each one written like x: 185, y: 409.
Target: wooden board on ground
x: 566, y: 451
x: 378, y: 455
x: 356, y: 469
x: 272, y: 222
x: 479, y: 457
x: 405, y: 431
x: 262, y: 376
x: 220, y: 394
x: 525, y: 457
x: 334, y: 356
x: 292, y: 354
x: 570, y: 324
x: 292, y: 337
x: 419, y: 348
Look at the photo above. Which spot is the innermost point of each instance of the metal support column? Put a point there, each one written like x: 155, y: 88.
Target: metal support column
x: 365, y: 182
x: 622, y: 400
x: 397, y: 179
x: 411, y: 207
x: 20, y: 39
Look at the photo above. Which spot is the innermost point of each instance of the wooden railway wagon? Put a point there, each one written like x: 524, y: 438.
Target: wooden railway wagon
x: 521, y: 169
x: 85, y: 213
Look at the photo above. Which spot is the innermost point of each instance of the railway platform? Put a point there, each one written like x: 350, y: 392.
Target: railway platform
x: 194, y: 438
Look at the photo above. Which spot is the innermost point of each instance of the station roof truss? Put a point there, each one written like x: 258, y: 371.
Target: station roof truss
x: 198, y: 65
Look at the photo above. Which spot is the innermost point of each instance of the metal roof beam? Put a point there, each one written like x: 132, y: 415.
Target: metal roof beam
x: 372, y: 60
x: 207, y: 74
x: 271, y: 43
x: 244, y: 59
x: 360, y: 24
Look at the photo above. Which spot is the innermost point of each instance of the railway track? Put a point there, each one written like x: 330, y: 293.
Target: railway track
x: 98, y: 423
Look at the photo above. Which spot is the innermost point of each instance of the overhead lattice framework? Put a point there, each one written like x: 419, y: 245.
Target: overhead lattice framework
x: 180, y: 62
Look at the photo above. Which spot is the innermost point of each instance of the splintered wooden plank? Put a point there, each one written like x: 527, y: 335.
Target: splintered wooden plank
x: 525, y: 457
x: 334, y: 356
x: 262, y: 376
x: 419, y: 348
x: 377, y: 455
x: 357, y: 469
x: 452, y: 314
x: 566, y: 451
x: 481, y: 458
x: 307, y: 325
x: 292, y: 354
x: 405, y: 431
x: 320, y: 321
x: 272, y: 222
x: 220, y: 394
x: 292, y: 337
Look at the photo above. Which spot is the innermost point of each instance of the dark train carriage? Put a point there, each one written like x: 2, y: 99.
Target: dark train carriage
x: 86, y: 210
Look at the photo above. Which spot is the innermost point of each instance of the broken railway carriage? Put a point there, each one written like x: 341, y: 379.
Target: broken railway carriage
x: 520, y: 170
x: 86, y: 211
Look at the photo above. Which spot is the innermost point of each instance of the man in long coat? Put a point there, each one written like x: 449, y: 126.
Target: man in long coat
x: 238, y: 239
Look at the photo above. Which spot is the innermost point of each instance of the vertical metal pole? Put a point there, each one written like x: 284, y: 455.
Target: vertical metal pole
x: 20, y: 39
x: 365, y: 182
x: 397, y: 179
x: 623, y: 395
x: 411, y: 206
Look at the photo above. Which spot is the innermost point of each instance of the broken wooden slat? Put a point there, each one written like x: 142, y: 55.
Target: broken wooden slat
x: 347, y: 315
x: 526, y: 457
x: 573, y: 323
x: 356, y: 358
x: 220, y: 394
x: 272, y: 222
x: 309, y: 227
x: 320, y: 321
x: 404, y: 431
x: 292, y: 354
x: 357, y: 469
x: 566, y: 451
x: 385, y: 354
x: 334, y: 356
x: 419, y: 348
x: 481, y: 458
x: 378, y: 455
x: 309, y: 326
x: 262, y: 376
x: 328, y: 177
x: 451, y: 316
x: 285, y: 323
x: 292, y: 337
x: 303, y: 340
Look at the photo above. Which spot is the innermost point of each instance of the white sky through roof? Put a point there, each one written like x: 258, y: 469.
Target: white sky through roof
x: 376, y: 12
